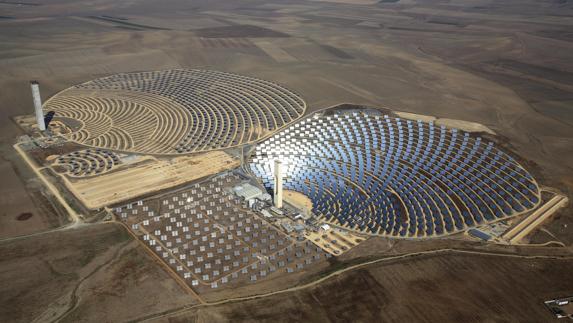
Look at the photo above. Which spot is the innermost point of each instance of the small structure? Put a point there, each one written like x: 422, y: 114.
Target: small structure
x: 303, y: 216
x: 288, y: 228
x: 276, y: 211
x: 266, y: 214
x: 266, y: 197
x: 561, y: 307
x: 299, y: 228
x: 479, y: 234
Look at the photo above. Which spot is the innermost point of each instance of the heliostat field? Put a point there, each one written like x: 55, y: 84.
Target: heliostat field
x: 173, y: 111
x: 385, y: 175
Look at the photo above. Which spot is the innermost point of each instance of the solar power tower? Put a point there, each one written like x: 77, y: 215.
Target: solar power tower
x: 278, y: 190
x: 38, y: 105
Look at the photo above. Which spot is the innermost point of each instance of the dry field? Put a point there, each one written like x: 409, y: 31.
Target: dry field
x: 446, y: 288
x: 91, y: 272
x: 298, y: 200
x: 334, y: 242
x: 19, y: 213
x: 150, y: 176
x: 26, y: 206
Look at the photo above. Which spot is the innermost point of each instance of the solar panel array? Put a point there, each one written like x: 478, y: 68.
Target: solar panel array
x: 395, y: 177
x: 208, y: 238
x: 175, y: 111
x: 88, y: 162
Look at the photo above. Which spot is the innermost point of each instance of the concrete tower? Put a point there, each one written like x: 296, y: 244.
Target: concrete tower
x: 278, y: 198
x: 38, y: 105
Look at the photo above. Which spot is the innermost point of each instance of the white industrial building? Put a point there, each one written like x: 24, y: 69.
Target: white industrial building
x: 248, y: 191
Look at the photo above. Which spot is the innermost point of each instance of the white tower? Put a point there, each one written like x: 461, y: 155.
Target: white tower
x: 38, y: 105
x: 278, y: 191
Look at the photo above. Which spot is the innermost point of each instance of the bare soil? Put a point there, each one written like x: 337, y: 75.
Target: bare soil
x: 446, y: 288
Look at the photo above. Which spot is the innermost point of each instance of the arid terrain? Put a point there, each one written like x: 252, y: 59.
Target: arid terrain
x: 505, y: 64
x: 427, y: 291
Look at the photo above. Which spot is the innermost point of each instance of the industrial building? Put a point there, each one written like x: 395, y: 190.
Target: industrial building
x: 248, y: 191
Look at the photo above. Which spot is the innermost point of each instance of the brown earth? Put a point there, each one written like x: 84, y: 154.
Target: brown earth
x: 504, y: 64
x: 19, y: 196
x: 92, y: 272
x: 149, y: 176
x: 446, y: 288
x: 24, y: 216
